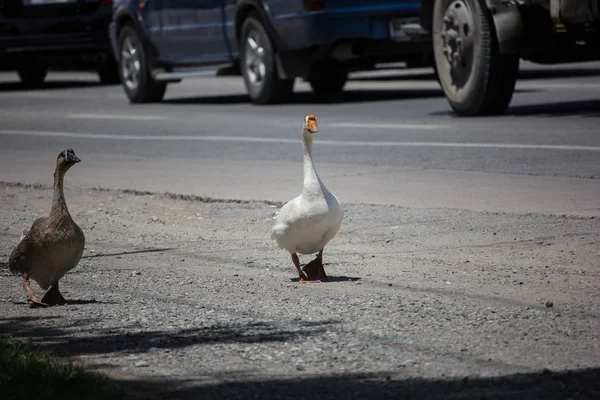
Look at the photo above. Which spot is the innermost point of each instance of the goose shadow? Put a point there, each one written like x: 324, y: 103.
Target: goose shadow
x: 125, y: 253
x: 333, y: 279
x: 70, y: 302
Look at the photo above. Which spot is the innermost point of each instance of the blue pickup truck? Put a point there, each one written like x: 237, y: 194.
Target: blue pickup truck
x: 273, y: 42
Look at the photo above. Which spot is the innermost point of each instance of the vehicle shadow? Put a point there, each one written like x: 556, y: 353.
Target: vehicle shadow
x: 524, y: 74
x: 348, y: 96
x: 583, y: 108
x: 396, y: 75
x: 50, y: 85
x: 531, y: 74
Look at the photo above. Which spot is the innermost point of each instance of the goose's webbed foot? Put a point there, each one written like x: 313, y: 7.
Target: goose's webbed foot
x: 31, y: 297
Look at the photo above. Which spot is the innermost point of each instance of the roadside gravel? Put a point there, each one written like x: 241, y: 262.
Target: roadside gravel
x: 191, y: 297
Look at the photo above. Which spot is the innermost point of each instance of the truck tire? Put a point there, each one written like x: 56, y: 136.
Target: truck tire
x: 327, y: 78
x: 475, y: 77
x: 257, y: 62
x: 135, y: 71
x: 32, y: 76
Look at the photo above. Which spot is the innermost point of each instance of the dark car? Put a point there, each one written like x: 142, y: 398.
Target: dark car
x: 272, y: 41
x: 36, y: 35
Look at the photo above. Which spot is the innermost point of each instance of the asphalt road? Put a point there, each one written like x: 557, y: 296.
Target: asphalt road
x: 390, y: 139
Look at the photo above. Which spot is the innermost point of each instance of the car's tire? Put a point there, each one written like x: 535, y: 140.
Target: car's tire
x: 32, y: 76
x: 108, y: 73
x: 134, y: 69
x: 258, y: 65
x: 327, y: 78
x: 475, y: 77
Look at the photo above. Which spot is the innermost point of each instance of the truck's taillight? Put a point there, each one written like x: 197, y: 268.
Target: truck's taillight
x: 314, y: 5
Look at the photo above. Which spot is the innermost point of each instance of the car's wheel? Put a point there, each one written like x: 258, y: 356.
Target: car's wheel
x: 476, y: 78
x: 32, y: 76
x: 257, y: 62
x: 134, y: 69
x: 327, y: 78
x: 108, y: 73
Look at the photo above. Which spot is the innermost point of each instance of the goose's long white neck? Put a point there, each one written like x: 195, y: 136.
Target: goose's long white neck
x: 313, y: 187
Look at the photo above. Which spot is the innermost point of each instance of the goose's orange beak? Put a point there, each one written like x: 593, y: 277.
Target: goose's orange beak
x: 311, y: 124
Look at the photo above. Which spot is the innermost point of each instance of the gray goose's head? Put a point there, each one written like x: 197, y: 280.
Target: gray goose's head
x: 66, y: 159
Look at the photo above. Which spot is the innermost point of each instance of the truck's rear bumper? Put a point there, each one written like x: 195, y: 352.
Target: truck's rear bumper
x: 303, y: 30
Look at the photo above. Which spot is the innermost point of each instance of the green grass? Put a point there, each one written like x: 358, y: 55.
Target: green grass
x: 26, y: 372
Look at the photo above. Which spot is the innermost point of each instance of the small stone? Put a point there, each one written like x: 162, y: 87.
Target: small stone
x: 389, y: 284
x: 549, y: 304
x: 141, y: 364
x: 154, y: 219
x: 183, y: 259
x: 300, y: 367
x: 133, y: 273
x: 447, y: 282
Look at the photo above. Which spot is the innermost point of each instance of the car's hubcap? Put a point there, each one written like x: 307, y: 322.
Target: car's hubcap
x: 457, y: 37
x: 254, y: 59
x: 130, y: 63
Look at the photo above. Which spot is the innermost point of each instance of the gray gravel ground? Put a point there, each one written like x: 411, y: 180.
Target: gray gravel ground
x: 191, y: 297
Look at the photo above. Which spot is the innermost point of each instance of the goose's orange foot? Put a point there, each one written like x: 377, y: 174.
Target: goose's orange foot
x: 34, y: 302
x: 31, y: 297
x: 302, y: 280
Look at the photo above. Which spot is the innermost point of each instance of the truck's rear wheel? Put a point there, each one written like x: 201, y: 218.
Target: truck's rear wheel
x: 476, y: 78
x: 257, y: 62
x: 135, y: 71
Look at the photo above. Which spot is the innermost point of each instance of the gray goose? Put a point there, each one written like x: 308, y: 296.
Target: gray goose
x: 54, y: 244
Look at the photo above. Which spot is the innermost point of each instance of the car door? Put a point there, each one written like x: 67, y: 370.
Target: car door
x: 192, y: 32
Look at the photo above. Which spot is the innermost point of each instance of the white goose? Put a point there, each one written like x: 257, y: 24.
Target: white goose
x: 307, y: 223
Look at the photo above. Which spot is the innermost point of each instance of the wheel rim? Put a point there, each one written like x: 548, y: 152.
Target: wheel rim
x: 130, y: 63
x: 457, y: 34
x: 254, y: 60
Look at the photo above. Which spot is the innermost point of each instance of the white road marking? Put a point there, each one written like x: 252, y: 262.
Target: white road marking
x: 255, y: 139
x: 385, y: 126
x: 116, y: 117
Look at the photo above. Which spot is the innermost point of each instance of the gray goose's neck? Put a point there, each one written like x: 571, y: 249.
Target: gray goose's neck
x: 59, y: 205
